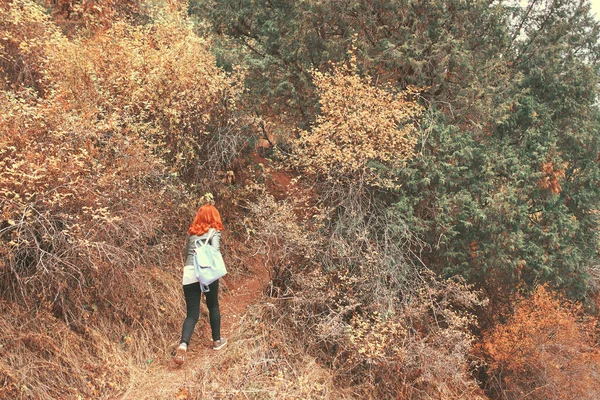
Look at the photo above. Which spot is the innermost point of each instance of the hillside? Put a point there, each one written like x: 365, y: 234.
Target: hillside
x: 409, y: 192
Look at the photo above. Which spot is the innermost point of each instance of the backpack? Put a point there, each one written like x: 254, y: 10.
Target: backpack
x: 208, y: 262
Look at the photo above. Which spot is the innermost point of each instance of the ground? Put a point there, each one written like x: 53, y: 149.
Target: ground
x: 166, y: 380
x: 204, y: 368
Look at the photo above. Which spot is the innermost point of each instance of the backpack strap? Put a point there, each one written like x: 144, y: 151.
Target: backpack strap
x: 204, y: 289
x: 203, y: 242
x: 206, y: 240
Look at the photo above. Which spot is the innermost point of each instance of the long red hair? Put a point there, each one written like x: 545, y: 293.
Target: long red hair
x: 207, y: 217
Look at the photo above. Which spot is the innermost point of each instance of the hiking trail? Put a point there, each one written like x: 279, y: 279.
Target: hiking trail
x: 166, y: 380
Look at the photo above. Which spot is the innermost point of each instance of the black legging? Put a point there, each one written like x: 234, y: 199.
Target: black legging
x: 192, y: 303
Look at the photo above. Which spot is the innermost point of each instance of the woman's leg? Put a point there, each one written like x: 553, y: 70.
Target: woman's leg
x: 212, y: 302
x: 192, y: 303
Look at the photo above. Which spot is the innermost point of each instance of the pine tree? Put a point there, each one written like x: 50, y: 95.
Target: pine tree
x: 504, y: 187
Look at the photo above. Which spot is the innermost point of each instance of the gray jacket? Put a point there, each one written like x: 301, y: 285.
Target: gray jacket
x: 215, y: 242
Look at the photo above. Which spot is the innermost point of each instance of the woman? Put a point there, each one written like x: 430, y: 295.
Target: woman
x: 207, y: 223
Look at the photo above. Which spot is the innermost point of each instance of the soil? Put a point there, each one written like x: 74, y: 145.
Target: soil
x: 167, y: 380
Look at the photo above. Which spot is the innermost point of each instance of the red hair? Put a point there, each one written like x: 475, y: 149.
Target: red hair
x: 207, y: 217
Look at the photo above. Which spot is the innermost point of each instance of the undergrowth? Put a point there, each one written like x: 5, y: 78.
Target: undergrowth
x: 113, y: 120
x: 345, y: 286
x: 102, y: 132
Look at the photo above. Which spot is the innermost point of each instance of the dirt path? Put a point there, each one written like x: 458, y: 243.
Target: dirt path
x: 165, y: 379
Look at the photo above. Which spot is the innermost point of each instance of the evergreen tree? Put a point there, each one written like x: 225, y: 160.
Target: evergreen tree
x: 504, y: 188
x: 516, y: 198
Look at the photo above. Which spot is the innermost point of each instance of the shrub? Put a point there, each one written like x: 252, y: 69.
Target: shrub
x: 280, y: 237
x: 95, y: 133
x: 363, y: 132
x: 544, y: 350
x: 157, y: 83
x: 384, y: 329
x: 419, y: 349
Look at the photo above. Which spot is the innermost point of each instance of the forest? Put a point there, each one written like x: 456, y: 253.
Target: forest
x: 410, y: 191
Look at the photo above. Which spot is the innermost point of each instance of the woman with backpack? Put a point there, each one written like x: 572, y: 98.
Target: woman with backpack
x: 207, y: 226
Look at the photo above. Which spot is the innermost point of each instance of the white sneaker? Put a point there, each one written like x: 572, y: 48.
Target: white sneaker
x: 219, y: 344
x: 180, y: 354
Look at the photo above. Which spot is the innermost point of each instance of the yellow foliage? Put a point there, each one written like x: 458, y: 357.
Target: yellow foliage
x: 24, y: 31
x: 360, y: 126
x: 94, y: 132
x: 417, y: 349
x: 112, y: 111
x: 158, y: 82
x: 376, y: 339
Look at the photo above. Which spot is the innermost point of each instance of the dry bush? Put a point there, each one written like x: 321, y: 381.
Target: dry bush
x: 441, y: 318
x: 78, y: 17
x: 373, y: 316
x: 363, y: 132
x: 348, y: 286
x: 383, y: 327
x: 158, y: 82
x: 419, y: 350
x: 70, y: 208
x: 89, y: 170
x: 94, y: 135
x: 367, y: 239
x: 543, y: 351
x: 286, y: 246
x: 25, y: 31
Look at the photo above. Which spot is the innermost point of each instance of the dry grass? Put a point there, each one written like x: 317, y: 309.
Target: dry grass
x: 92, y: 204
x: 261, y: 361
x: 43, y: 357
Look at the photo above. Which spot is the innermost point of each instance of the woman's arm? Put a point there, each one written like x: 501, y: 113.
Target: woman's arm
x: 215, y: 240
x: 186, y: 252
